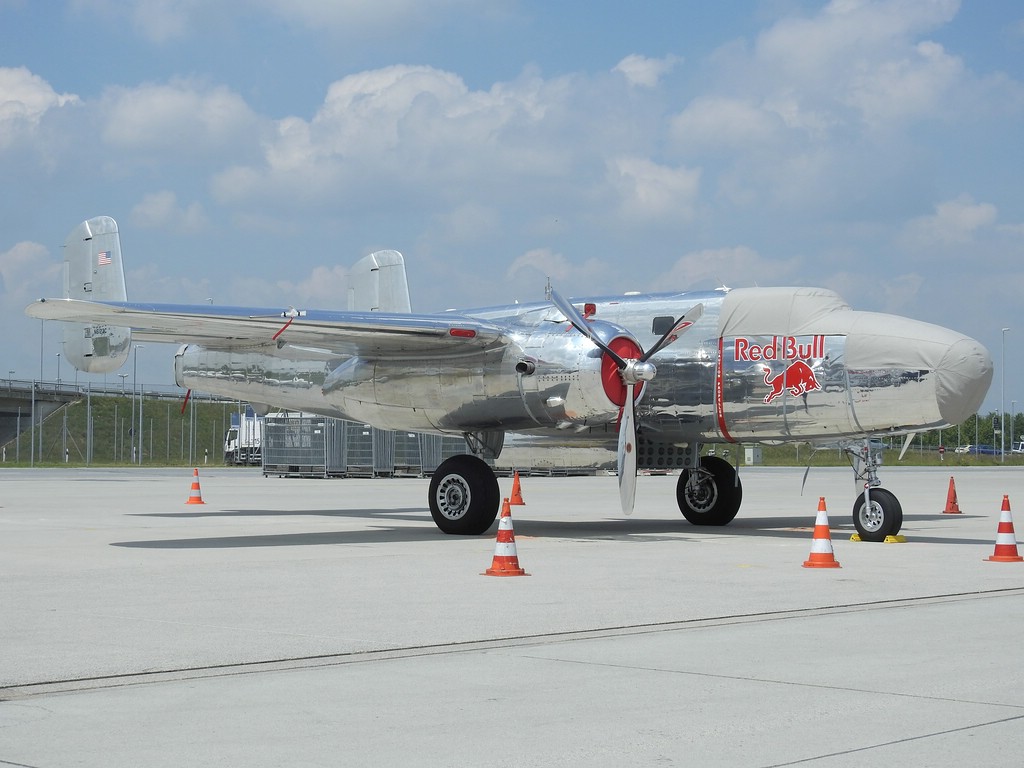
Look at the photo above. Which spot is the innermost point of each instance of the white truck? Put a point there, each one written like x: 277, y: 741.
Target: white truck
x: 243, y: 443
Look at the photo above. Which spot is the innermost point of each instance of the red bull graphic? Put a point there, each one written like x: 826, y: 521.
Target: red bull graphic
x: 798, y: 378
x: 797, y: 385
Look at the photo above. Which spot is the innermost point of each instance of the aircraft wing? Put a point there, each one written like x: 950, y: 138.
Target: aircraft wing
x: 367, y: 334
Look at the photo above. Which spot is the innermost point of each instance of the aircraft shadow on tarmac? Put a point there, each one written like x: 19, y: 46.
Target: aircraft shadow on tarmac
x: 637, y: 530
x: 391, y: 513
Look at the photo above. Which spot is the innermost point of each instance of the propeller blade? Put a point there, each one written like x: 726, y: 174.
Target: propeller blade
x: 627, y: 453
x: 580, y: 324
x: 681, y: 326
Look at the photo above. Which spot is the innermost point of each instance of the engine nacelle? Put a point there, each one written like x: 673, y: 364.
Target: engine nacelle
x: 568, y: 381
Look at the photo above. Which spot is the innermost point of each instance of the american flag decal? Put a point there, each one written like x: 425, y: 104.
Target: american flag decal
x: 103, y: 258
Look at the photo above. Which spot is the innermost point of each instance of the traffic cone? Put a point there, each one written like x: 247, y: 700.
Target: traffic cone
x: 517, y: 495
x: 1006, y: 541
x: 821, y: 547
x: 952, y: 508
x: 195, y: 496
x: 506, y: 561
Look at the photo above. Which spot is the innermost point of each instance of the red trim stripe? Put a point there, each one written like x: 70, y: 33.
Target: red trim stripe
x: 719, y: 392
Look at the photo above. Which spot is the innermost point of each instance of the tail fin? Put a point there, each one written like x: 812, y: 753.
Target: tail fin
x: 93, y: 271
x: 377, y: 283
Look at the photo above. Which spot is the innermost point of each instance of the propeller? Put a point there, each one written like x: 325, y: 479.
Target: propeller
x: 632, y: 372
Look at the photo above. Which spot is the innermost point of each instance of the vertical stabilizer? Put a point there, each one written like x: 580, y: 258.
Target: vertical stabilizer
x: 377, y: 283
x: 93, y: 271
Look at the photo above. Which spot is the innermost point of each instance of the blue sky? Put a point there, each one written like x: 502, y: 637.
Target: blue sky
x: 252, y: 150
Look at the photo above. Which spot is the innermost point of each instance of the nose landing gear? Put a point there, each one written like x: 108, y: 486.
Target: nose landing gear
x: 877, y: 512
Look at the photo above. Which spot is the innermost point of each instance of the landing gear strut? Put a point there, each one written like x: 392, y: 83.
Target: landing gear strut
x: 877, y: 513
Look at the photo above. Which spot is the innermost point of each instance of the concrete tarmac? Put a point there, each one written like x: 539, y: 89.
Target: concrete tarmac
x: 327, y: 622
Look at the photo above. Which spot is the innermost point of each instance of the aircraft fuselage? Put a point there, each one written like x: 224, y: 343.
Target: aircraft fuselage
x: 759, y: 365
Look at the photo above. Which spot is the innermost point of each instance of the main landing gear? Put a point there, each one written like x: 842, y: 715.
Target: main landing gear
x: 711, y: 493
x: 464, y: 496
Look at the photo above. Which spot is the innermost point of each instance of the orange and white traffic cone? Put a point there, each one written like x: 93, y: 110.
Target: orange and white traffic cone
x: 952, y: 508
x: 822, y: 555
x: 506, y: 561
x: 195, y: 496
x: 1006, y: 541
x: 517, y: 495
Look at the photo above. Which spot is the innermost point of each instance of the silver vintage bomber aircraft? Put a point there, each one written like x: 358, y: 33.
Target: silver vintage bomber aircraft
x: 761, y: 365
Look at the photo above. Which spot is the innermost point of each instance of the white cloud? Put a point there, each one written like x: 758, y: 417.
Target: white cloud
x: 861, y: 55
x: 151, y: 282
x: 161, y: 21
x: 645, y: 71
x: 183, y: 115
x: 724, y: 122
x: 325, y: 286
x: 160, y: 210
x: 954, y: 223
x: 898, y: 294
x: 24, y: 99
x: 469, y: 223
x: 847, y: 35
x: 363, y: 13
x: 167, y: 21
x: 650, y: 191
x: 543, y: 260
x: 570, y: 278
x: 909, y: 87
x: 404, y: 128
x: 24, y: 269
x: 739, y: 266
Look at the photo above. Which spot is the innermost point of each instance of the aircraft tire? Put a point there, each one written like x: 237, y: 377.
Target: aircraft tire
x: 716, y: 498
x: 463, y: 496
x: 884, y: 518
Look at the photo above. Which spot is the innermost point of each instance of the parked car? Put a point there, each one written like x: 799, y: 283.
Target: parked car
x: 977, y: 449
x: 985, y: 449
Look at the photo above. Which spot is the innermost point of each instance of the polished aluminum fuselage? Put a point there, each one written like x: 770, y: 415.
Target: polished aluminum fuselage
x: 797, y: 363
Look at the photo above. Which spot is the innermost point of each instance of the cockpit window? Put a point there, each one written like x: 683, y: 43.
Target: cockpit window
x: 662, y: 325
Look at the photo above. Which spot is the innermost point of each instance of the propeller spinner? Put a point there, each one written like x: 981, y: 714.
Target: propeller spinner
x: 632, y: 372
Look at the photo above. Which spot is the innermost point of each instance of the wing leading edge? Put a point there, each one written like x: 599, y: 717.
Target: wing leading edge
x: 367, y: 334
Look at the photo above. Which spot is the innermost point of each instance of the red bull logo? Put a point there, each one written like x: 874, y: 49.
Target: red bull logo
x: 795, y: 352
x: 798, y: 378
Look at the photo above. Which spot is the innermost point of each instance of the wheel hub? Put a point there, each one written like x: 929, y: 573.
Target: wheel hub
x: 701, y: 495
x: 453, y: 497
x: 872, y: 516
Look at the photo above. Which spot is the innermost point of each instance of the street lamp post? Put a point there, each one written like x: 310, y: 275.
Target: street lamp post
x: 1013, y: 415
x: 142, y: 398
x: 1002, y: 409
x: 135, y: 380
